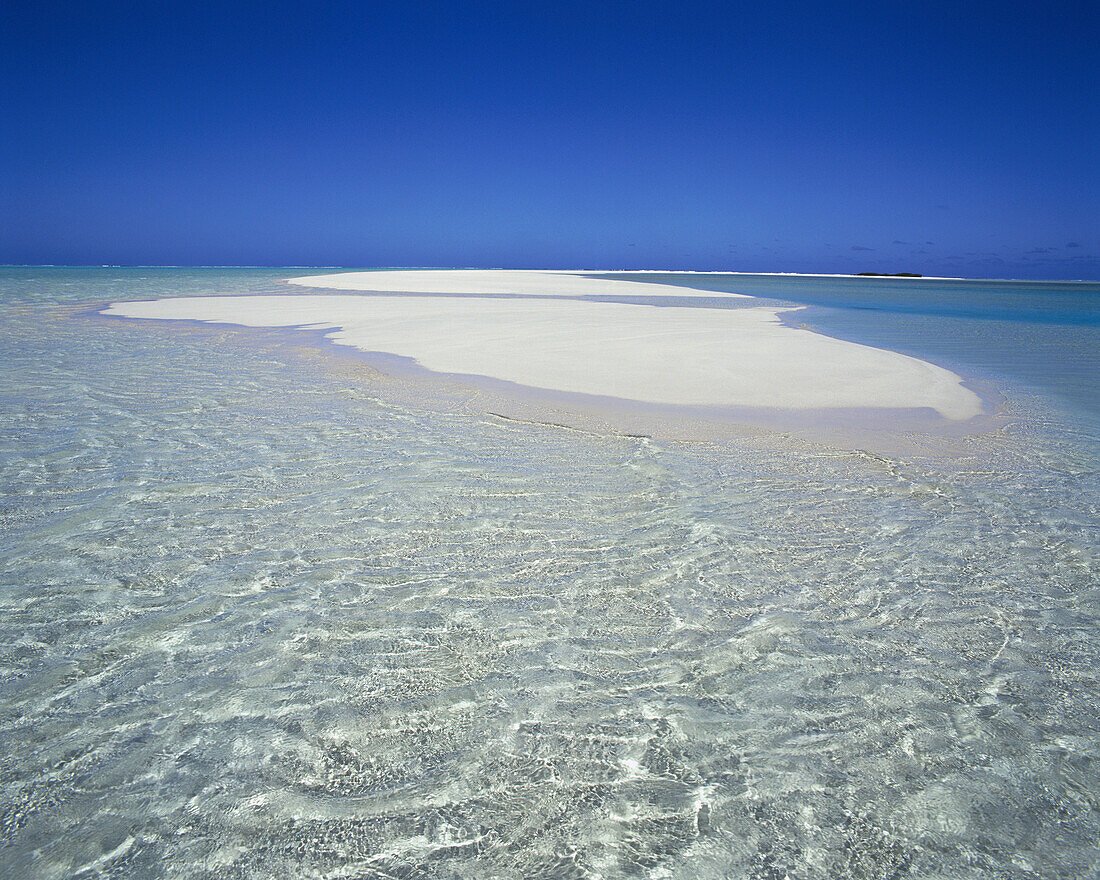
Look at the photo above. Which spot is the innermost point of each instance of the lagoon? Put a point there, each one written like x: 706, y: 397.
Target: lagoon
x: 269, y: 610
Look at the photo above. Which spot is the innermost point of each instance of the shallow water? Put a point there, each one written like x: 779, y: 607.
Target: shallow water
x: 257, y: 619
x: 1041, y: 337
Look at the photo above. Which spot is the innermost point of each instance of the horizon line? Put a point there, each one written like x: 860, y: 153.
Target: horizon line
x: 902, y: 277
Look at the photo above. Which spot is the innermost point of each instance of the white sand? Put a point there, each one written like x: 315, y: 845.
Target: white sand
x: 540, y: 282
x: 493, y: 282
x: 743, y: 357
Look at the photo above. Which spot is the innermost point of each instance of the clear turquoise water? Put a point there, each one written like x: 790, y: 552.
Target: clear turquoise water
x: 257, y: 619
x: 1040, y: 337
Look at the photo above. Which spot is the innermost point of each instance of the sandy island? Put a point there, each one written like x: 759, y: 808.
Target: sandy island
x: 742, y: 357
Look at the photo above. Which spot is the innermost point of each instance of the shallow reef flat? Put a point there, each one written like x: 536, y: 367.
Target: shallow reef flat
x: 264, y: 616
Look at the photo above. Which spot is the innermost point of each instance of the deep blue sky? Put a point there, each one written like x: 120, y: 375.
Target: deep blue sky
x: 944, y: 138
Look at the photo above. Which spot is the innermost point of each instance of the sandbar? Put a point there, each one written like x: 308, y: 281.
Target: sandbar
x: 492, y: 282
x: 743, y: 357
x: 541, y: 282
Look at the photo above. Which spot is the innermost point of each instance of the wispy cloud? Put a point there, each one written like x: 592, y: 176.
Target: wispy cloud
x: 859, y: 247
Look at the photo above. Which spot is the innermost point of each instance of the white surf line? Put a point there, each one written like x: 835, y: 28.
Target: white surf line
x: 741, y: 357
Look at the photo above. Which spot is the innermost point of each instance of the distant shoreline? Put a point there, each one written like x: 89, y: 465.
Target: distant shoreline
x: 914, y: 276
x: 907, y: 275
x: 332, y: 269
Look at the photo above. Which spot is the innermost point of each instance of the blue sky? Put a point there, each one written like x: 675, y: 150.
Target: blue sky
x: 943, y: 138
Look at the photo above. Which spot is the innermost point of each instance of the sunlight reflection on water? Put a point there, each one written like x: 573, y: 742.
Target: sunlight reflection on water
x: 255, y: 622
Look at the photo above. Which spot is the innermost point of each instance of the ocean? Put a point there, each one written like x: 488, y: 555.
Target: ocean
x: 262, y: 618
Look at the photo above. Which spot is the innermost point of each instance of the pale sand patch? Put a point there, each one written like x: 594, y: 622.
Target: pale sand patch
x: 492, y: 282
x: 741, y: 357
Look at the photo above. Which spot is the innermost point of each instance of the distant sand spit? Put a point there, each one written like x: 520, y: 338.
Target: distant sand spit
x: 743, y: 357
x: 543, y: 282
x: 492, y: 282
